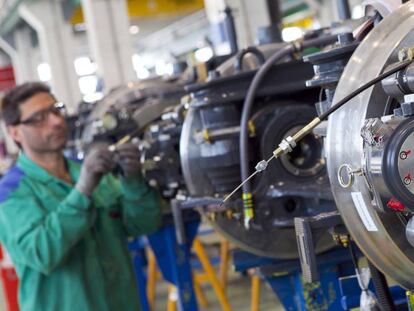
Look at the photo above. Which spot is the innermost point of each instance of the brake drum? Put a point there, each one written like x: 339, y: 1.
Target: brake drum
x: 379, y: 233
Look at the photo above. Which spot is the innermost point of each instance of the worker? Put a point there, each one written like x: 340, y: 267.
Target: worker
x: 66, y: 225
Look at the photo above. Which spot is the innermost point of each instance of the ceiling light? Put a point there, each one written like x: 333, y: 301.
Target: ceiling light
x: 133, y: 29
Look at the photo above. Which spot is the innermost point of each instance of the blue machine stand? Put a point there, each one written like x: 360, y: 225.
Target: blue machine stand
x: 285, y: 279
x: 336, y: 289
x: 137, y: 249
x: 351, y: 294
x: 173, y: 259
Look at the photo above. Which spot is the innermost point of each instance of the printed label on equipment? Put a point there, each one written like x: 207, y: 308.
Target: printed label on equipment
x: 363, y: 211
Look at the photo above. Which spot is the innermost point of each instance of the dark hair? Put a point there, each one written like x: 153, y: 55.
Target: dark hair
x: 14, y: 98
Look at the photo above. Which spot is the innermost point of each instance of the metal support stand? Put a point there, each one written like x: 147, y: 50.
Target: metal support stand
x: 285, y: 279
x: 137, y: 250
x: 171, y: 246
x: 314, y: 268
x: 306, y: 228
x: 350, y: 293
x: 173, y: 258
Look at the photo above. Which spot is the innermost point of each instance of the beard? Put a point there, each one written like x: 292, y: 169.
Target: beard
x: 55, y: 141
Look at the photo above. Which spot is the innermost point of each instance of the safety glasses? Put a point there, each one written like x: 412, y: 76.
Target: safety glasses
x: 40, y: 117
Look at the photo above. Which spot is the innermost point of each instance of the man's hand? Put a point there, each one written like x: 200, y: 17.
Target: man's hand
x: 128, y: 155
x: 98, y: 162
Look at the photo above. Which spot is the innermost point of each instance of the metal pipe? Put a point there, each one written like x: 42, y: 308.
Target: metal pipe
x: 10, y: 18
x: 344, y: 11
x: 230, y: 29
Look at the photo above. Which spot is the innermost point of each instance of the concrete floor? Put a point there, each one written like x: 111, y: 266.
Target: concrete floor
x: 238, y: 288
x: 238, y: 293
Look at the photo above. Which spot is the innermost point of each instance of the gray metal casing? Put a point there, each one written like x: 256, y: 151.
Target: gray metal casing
x: 386, y: 246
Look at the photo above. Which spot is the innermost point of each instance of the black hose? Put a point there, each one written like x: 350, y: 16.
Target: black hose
x: 382, y: 76
x: 238, y: 65
x: 381, y: 288
x: 247, y: 108
x: 230, y: 30
x: 251, y: 94
x: 354, y: 258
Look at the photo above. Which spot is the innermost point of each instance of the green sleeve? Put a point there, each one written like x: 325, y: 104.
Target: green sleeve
x: 41, y: 239
x: 141, y: 206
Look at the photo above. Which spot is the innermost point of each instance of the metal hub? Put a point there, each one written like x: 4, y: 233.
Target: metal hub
x: 399, y: 162
x: 379, y: 234
x: 306, y: 159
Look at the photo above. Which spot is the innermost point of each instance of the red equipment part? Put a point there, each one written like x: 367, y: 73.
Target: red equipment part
x: 9, y: 280
x: 7, y: 80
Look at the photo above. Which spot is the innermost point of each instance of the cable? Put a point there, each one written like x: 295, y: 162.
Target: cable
x: 247, y: 107
x: 290, y: 142
x: 248, y: 104
x: 353, y: 256
x: 238, y: 65
x: 381, y: 288
x: 382, y: 76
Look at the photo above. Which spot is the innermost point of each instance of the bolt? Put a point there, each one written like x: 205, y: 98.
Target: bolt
x: 345, y: 38
x: 344, y: 240
x: 261, y: 166
x: 405, y: 54
x: 213, y: 74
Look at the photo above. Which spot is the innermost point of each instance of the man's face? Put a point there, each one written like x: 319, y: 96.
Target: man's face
x: 42, y: 129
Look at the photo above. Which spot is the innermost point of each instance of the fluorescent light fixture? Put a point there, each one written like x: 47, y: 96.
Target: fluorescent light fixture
x: 357, y: 11
x: 88, y: 84
x: 84, y: 66
x: 139, y: 67
x: 204, y: 54
x: 160, y: 68
x: 291, y: 33
x: 134, y: 29
x: 44, y: 72
x: 169, y: 69
x: 93, y: 97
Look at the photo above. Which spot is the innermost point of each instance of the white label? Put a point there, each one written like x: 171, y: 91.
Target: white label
x: 363, y: 211
x: 409, y: 98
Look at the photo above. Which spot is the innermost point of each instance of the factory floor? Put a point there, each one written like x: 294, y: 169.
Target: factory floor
x: 238, y: 293
x: 238, y: 288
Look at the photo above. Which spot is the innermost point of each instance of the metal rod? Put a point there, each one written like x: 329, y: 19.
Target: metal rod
x: 344, y: 11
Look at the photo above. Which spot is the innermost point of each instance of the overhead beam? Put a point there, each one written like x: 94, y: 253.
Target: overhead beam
x: 11, y: 18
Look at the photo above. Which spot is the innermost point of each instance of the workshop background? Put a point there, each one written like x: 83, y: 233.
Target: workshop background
x: 209, y: 88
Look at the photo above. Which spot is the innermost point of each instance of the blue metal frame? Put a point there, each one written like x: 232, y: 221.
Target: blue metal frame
x: 285, y: 279
x: 351, y: 293
x: 337, y: 289
x: 137, y: 250
x: 174, y: 261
